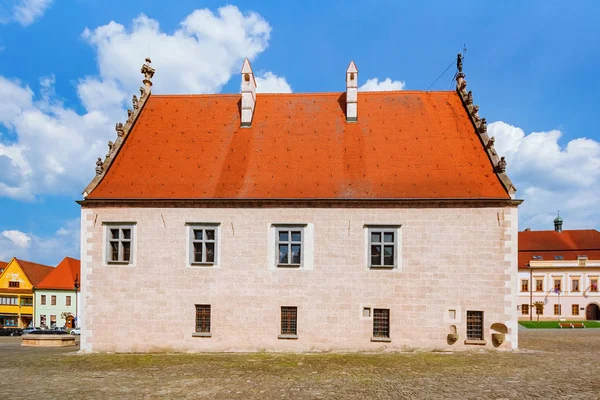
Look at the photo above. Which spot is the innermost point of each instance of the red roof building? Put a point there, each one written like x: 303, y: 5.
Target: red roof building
x: 236, y: 211
x: 64, y: 276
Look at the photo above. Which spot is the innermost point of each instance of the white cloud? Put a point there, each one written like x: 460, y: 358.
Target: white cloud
x: 25, y: 12
x: 271, y: 83
x: 550, y: 177
x: 373, y: 85
x: 55, y: 146
x: 48, y: 250
x: 19, y: 238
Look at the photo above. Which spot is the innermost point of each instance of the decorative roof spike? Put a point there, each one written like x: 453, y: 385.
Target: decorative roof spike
x: 483, y: 126
x: 469, y: 100
x: 135, y: 102
x: 148, y: 72
x: 120, y: 130
x: 502, y: 165
x: 99, y: 168
x: 459, y: 62
x: 110, y: 148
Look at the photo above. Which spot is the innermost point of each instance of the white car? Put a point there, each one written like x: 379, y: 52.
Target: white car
x: 76, y: 331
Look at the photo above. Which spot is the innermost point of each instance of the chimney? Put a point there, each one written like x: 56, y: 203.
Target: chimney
x: 558, y: 221
x: 351, y: 93
x: 248, y: 94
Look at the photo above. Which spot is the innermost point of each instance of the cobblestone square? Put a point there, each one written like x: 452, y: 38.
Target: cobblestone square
x: 550, y: 364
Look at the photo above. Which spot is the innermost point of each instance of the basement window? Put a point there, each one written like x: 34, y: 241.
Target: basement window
x: 289, y: 323
x: 381, y: 324
x: 203, y: 315
x: 475, y: 325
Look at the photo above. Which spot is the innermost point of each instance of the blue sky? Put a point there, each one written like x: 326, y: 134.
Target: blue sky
x: 67, y: 74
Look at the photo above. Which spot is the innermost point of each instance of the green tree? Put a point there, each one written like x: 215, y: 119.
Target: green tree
x: 539, y: 308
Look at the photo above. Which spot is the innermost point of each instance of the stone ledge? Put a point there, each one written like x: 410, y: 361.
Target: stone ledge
x: 476, y: 342
x: 201, y: 334
x: 292, y: 337
x: 381, y: 339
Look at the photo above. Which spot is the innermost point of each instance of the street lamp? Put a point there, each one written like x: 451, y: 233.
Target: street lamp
x: 557, y: 291
x: 76, y: 288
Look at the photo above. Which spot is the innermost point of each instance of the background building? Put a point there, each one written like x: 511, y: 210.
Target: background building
x: 57, y: 296
x: 16, y: 292
x: 300, y: 222
x: 561, y: 269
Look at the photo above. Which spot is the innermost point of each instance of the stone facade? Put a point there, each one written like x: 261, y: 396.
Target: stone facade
x: 451, y: 258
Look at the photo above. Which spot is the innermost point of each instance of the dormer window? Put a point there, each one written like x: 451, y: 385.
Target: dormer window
x: 537, y: 257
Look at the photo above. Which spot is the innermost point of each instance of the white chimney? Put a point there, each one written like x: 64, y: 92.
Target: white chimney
x: 248, y: 94
x: 351, y: 93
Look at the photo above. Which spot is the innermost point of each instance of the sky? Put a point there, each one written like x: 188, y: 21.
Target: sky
x: 68, y: 69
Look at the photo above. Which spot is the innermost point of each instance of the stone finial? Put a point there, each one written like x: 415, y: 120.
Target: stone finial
x: 129, y: 114
x: 483, y: 126
x: 461, y: 84
x: 469, y: 99
x: 459, y: 62
x: 502, y: 165
x: 352, y: 93
x: 110, y: 148
x: 120, y: 130
x: 490, y: 142
x: 142, y: 92
x: 475, y: 113
x: 248, y: 94
x: 99, y: 167
x: 148, y: 72
x: 135, y: 102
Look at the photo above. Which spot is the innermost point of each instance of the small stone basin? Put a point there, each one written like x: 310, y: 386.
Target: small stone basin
x: 48, y: 340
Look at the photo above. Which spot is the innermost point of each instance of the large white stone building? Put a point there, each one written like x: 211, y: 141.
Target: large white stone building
x: 561, y: 271
x: 300, y: 222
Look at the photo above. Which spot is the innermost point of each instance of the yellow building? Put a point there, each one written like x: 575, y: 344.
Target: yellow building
x: 16, y: 292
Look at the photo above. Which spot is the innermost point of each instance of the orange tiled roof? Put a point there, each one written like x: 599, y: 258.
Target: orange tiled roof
x: 569, y: 244
x: 3, y: 265
x: 409, y: 145
x: 63, y: 276
x: 34, y: 272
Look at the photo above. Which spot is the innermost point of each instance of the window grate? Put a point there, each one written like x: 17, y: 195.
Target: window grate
x: 289, y: 320
x: 203, y: 318
x: 474, y: 325
x: 381, y: 323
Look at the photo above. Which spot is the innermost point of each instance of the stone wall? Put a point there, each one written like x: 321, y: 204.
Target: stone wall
x: 451, y: 259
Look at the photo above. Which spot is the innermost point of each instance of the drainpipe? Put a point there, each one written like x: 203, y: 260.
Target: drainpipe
x: 530, y: 294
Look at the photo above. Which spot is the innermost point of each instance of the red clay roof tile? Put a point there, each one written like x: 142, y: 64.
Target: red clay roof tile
x: 405, y: 145
x: 569, y: 244
x: 63, y: 276
x: 34, y: 272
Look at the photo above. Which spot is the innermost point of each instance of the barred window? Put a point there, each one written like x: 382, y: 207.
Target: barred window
x: 203, y: 318
x: 381, y: 323
x: 119, y: 244
x: 525, y: 309
x: 289, y: 246
x: 474, y: 325
x: 575, y: 309
x: 203, y: 244
x: 289, y: 320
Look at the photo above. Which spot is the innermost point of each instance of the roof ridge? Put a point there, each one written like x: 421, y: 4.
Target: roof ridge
x: 293, y: 94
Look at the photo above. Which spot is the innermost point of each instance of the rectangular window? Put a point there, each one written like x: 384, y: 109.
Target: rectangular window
x: 26, y: 301
x: 119, y: 241
x: 381, y: 323
x: 53, y: 300
x: 539, y: 285
x: 203, y: 244
x: 383, y: 247
x: 524, y: 285
x: 12, y: 284
x: 289, y: 320
x: 575, y: 285
x: 8, y: 300
x: 68, y: 301
x: 52, y: 320
x: 43, y: 300
x: 474, y: 325
x: 290, y: 246
x: 558, y: 285
x: 575, y: 309
x: 203, y: 318
x: 593, y: 284
x: 557, y: 309
x: 42, y: 320
x: 540, y: 309
x: 525, y: 309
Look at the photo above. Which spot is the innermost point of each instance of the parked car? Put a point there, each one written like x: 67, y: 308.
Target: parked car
x: 29, y: 330
x: 76, y: 331
x: 11, y: 332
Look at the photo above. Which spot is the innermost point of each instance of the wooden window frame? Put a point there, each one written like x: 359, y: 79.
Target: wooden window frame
x: 53, y: 300
x: 120, y: 240
x: 557, y: 309
x: 25, y: 303
x: 559, y: 280
x: 382, y: 230
x: 594, y: 286
x: 14, y: 284
x: 525, y: 282
x: 204, y: 226
x: 573, y: 280
x: 43, y: 299
x: 575, y: 309
x: 67, y: 301
x: 290, y: 242
x: 524, y: 309
x: 541, y: 289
